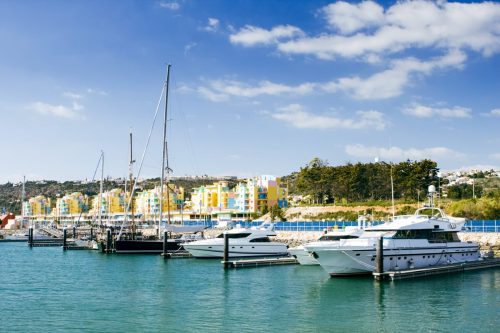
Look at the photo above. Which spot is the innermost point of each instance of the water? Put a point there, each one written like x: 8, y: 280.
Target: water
x: 48, y: 290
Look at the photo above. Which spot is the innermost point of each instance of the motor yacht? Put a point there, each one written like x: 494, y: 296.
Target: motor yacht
x: 427, y: 238
x: 330, y: 237
x: 243, y: 242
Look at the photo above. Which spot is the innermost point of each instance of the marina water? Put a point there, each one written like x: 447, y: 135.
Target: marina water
x: 48, y: 290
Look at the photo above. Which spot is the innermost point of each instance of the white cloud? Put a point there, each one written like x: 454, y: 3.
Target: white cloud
x: 223, y: 89
x: 60, y: 111
x: 495, y: 112
x: 251, y: 35
x: 295, y: 116
x: 348, y: 18
x: 189, y: 46
x: 404, y: 25
x: 96, y: 92
x: 422, y: 111
x: 390, y: 83
x: 73, y: 95
x: 170, y: 5
x: 398, y: 154
x: 213, y: 24
x: 494, y: 156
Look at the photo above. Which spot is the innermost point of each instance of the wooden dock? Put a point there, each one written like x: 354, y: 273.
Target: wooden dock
x: 435, y: 270
x: 259, y: 262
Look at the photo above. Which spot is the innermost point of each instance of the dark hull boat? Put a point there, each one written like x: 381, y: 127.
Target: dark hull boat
x: 147, y: 246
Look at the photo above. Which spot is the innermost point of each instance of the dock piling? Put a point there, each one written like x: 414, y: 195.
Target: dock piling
x: 65, y: 235
x: 225, y: 258
x: 379, y: 268
x: 74, y: 232
x: 109, y: 241
x: 165, y: 241
x: 30, y: 236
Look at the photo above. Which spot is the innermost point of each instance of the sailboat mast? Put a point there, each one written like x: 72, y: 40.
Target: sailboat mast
x: 392, y: 195
x: 131, y: 176
x: 101, y: 188
x: 23, y: 198
x: 164, y: 147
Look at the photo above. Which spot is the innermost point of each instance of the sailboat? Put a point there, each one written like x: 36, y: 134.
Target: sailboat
x: 131, y: 243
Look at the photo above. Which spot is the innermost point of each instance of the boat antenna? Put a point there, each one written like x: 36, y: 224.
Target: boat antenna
x: 164, y: 155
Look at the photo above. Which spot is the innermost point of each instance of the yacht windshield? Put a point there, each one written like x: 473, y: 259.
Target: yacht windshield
x: 238, y: 235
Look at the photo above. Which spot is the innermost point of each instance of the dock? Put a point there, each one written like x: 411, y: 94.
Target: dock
x: 177, y: 255
x: 435, y: 270
x: 47, y: 242
x: 259, y: 262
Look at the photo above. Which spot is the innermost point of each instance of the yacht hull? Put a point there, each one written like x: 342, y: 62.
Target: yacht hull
x: 236, y: 250
x: 145, y: 246
x: 340, y: 262
x: 302, y: 256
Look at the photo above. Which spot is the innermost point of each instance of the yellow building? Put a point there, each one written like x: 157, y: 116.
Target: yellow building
x: 209, y: 198
x: 72, y: 204
x: 250, y: 196
x: 113, y: 202
x: 148, y: 202
x: 37, y: 206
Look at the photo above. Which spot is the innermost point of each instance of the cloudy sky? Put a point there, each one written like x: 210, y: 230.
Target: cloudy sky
x: 257, y: 87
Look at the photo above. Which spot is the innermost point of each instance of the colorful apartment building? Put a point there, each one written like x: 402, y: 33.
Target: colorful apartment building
x: 37, y: 206
x: 251, y: 196
x: 210, y: 198
x: 72, y: 204
x: 113, y: 202
x: 148, y: 202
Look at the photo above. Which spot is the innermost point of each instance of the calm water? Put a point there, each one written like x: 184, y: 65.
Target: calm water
x: 48, y: 290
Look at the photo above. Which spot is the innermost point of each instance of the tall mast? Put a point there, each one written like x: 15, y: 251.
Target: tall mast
x: 392, y: 194
x: 101, y: 188
x: 164, y: 146
x: 131, y: 176
x: 23, y: 198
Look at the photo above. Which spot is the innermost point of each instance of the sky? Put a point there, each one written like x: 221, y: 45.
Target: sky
x: 256, y: 87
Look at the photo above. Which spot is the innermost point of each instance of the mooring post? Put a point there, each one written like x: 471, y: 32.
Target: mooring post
x: 109, y: 240
x: 30, y: 236
x: 226, y: 250
x: 165, y: 241
x: 74, y: 232
x: 65, y: 235
x: 379, y: 268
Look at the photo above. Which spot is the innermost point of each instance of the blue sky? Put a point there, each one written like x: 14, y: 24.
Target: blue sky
x: 257, y: 87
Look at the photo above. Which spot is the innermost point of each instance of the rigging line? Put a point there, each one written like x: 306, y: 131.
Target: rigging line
x: 142, y: 160
x: 192, y: 156
x: 88, y: 186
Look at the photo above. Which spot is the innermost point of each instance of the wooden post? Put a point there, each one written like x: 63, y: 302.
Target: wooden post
x: 65, y: 235
x: 165, y: 241
x: 379, y: 268
x: 226, y: 250
x: 74, y: 232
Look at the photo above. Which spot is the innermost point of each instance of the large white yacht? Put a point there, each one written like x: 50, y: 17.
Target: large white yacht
x: 425, y: 239
x: 243, y: 242
x: 331, y: 237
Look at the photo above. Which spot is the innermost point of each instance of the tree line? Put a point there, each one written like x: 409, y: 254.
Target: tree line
x: 327, y: 184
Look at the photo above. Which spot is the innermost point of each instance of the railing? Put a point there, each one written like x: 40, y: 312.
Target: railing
x: 470, y: 226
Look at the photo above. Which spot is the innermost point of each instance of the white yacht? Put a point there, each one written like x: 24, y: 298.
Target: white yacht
x: 424, y: 239
x: 331, y: 237
x: 243, y: 242
x: 427, y: 238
